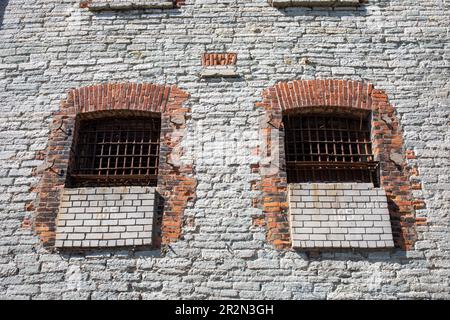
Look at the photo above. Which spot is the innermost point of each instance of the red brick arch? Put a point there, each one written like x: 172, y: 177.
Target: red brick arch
x: 175, y: 182
x: 335, y: 96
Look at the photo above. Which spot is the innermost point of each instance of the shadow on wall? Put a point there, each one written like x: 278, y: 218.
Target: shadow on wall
x: 3, y: 4
x: 157, y: 221
x: 109, y: 13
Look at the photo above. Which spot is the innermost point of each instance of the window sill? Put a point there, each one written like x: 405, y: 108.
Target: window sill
x: 219, y: 72
x: 313, y: 3
x: 104, y: 5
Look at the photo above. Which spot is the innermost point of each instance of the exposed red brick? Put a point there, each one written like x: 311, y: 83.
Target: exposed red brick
x: 414, y: 171
x: 179, y: 3
x: 416, y: 186
x: 258, y: 221
x: 254, y: 168
x: 29, y: 206
x: 219, y: 59
x: 175, y: 182
x: 421, y: 221
x: 419, y: 204
x: 40, y: 155
x: 85, y: 3
x: 26, y: 224
x: 339, y: 96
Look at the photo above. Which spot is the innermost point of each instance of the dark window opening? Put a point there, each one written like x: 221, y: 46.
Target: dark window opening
x: 116, y: 152
x: 329, y: 148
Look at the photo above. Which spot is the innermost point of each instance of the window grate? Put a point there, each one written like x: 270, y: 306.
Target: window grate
x: 116, y: 151
x: 323, y: 148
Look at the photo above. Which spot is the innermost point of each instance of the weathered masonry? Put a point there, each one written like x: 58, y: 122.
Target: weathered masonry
x: 116, y: 135
x: 192, y: 149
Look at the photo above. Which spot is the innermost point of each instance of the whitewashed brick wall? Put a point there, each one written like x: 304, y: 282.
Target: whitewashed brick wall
x: 339, y: 215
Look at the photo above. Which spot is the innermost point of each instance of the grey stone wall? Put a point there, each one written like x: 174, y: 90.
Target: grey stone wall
x: 339, y: 215
x: 105, y: 217
x: 47, y: 47
x: 99, y: 5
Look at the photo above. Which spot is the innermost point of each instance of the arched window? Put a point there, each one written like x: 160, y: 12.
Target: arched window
x: 329, y: 148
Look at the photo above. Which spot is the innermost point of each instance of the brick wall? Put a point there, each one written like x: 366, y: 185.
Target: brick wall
x: 48, y: 47
x: 175, y: 184
x: 339, y: 97
x: 105, y: 217
x: 219, y: 59
x: 219, y: 65
x: 339, y: 215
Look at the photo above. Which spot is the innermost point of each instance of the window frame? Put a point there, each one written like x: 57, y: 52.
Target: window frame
x: 78, y: 177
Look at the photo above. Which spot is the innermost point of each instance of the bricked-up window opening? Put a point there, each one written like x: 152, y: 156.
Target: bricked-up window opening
x: 116, y: 152
x: 329, y: 148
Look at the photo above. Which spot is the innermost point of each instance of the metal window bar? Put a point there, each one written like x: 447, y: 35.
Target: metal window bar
x: 329, y: 148
x: 116, y: 151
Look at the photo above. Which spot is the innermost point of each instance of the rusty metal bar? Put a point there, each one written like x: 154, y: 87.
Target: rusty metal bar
x: 117, y: 151
x: 328, y: 148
